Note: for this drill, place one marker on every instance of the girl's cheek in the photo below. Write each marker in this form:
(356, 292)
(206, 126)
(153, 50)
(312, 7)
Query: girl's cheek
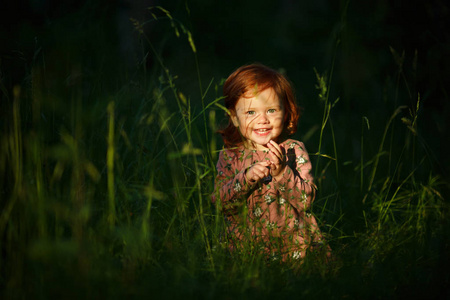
(278, 118)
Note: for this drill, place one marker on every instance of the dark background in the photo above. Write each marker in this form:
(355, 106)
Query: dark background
(96, 40)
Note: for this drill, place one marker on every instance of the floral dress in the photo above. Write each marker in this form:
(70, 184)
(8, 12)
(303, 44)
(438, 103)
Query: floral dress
(275, 214)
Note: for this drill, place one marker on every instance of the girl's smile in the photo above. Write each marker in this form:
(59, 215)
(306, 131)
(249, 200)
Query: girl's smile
(259, 116)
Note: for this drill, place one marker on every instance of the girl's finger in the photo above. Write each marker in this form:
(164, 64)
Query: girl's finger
(266, 163)
(264, 171)
(274, 144)
(259, 170)
(275, 148)
(275, 157)
(281, 152)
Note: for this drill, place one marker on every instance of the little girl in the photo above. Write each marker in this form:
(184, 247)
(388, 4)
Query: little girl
(264, 184)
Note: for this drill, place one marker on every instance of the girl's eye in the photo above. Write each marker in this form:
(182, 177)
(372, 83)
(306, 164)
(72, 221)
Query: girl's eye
(250, 112)
(272, 110)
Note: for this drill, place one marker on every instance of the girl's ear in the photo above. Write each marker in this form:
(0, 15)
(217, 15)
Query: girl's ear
(234, 119)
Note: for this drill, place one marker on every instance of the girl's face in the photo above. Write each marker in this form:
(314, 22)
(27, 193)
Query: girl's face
(259, 118)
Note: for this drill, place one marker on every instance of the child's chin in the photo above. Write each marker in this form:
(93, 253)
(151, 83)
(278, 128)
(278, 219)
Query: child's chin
(260, 145)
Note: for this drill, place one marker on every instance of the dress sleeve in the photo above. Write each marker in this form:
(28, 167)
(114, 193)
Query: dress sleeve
(297, 181)
(230, 184)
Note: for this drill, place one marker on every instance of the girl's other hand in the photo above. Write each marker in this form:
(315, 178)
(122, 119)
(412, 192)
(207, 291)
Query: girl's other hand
(258, 171)
(277, 158)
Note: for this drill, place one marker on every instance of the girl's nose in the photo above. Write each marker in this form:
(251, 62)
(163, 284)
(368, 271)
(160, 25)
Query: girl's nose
(263, 119)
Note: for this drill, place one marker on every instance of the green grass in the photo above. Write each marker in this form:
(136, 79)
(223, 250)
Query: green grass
(106, 192)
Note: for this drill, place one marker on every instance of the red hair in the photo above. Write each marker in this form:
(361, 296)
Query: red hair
(261, 77)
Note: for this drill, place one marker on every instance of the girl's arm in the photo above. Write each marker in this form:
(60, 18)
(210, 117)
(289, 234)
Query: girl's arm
(230, 183)
(296, 182)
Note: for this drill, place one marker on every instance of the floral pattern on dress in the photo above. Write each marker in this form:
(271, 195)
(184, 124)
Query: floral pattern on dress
(279, 207)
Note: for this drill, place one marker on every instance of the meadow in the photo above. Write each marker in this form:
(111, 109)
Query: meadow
(106, 174)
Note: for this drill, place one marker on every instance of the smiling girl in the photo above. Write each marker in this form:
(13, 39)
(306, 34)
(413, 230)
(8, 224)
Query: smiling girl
(264, 184)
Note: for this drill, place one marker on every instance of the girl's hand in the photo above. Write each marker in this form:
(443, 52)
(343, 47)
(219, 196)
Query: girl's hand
(277, 158)
(258, 171)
